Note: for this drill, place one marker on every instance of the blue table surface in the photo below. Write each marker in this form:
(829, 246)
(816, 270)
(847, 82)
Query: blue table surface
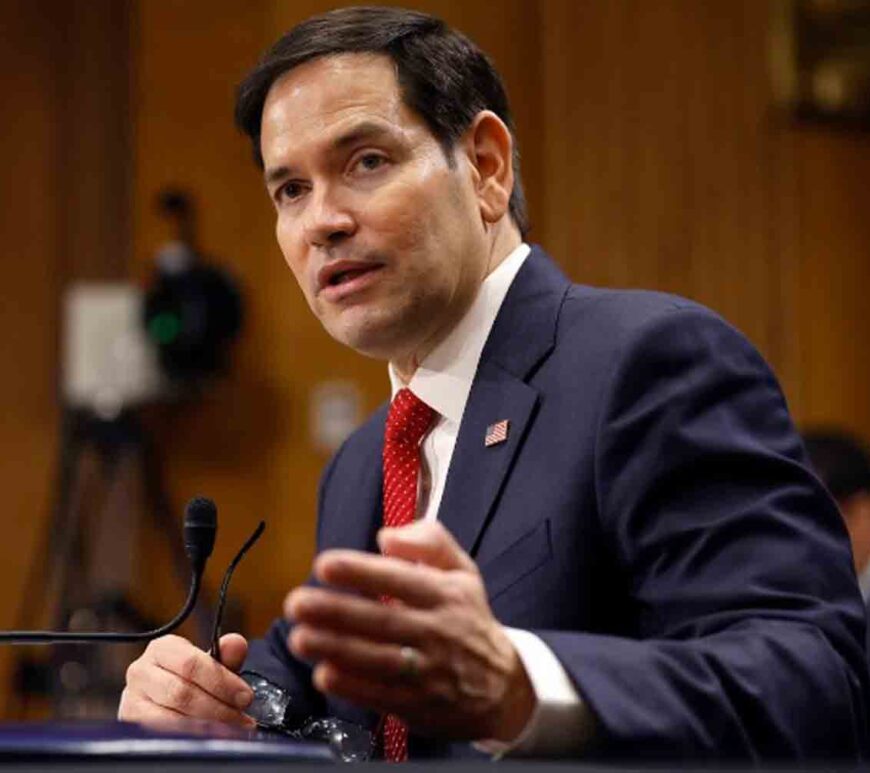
(195, 739)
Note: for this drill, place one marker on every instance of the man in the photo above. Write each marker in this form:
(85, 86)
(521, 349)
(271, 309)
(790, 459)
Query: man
(843, 464)
(600, 537)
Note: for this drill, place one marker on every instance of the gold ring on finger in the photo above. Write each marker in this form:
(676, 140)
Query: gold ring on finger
(410, 668)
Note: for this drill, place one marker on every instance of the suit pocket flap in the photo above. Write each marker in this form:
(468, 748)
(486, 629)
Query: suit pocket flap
(520, 559)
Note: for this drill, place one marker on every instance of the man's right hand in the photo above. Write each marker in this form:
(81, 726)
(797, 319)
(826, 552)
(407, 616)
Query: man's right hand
(173, 679)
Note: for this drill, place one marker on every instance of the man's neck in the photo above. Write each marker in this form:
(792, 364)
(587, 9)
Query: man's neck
(404, 370)
(503, 245)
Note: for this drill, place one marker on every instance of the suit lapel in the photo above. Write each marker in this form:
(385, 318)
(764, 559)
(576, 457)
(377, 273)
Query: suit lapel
(355, 518)
(366, 506)
(477, 472)
(521, 338)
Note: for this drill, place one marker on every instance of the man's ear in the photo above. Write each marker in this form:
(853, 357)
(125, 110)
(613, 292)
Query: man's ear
(489, 146)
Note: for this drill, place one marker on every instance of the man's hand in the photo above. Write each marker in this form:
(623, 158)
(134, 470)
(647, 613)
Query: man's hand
(461, 677)
(174, 680)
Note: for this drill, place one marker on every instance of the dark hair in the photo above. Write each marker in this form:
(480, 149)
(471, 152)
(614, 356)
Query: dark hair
(444, 77)
(840, 460)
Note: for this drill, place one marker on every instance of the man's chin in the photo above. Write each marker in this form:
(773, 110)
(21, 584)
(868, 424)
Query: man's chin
(379, 341)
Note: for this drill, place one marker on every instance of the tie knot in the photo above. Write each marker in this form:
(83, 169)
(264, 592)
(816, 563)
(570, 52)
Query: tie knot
(408, 420)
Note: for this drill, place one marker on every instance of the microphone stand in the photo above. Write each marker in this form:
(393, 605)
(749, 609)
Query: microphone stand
(96, 637)
(200, 528)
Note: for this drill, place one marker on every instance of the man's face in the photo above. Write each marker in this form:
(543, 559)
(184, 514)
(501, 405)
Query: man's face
(384, 236)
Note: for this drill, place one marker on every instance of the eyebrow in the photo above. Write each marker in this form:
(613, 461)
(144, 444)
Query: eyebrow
(362, 131)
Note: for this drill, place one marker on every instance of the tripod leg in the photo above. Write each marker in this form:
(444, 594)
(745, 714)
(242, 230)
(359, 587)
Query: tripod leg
(32, 677)
(41, 573)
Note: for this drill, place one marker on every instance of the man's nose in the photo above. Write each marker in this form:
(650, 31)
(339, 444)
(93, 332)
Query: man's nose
(328, 219)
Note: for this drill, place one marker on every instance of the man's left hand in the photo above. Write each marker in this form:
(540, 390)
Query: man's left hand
(434, 654)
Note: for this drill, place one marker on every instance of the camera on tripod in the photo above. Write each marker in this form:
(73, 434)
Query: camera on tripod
(125, 346)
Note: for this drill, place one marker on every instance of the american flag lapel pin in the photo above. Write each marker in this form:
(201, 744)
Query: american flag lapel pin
(496, 433)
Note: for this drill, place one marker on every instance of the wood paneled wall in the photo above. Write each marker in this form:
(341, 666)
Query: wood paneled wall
(63, 215)
(651, 156)
(30, 234)
(666, 167)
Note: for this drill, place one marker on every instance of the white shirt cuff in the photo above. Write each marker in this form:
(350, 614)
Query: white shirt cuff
(561, 723)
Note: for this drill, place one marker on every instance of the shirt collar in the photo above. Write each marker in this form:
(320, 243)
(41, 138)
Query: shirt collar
(443, 380)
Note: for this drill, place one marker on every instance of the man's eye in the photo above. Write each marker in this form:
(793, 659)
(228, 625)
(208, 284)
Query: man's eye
(371, 161)
(289, 191)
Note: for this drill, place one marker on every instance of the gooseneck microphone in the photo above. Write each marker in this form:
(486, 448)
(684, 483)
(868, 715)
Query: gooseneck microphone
(200, 527)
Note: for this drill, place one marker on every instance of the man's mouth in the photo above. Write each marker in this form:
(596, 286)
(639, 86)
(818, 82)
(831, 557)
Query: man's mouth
(345, 277)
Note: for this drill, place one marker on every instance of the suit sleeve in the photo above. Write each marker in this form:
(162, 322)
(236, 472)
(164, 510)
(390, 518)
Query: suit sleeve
(270, 657)
(751, 635)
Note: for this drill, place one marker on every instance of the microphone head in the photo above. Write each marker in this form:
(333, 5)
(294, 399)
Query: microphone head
(200, 527)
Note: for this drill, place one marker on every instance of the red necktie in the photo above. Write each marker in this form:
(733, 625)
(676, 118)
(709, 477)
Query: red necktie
(408, 421)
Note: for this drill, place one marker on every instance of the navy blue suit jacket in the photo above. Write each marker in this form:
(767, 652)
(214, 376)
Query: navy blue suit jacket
(650, 517)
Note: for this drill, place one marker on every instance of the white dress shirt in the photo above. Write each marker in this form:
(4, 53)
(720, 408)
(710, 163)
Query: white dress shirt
(561, 722)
